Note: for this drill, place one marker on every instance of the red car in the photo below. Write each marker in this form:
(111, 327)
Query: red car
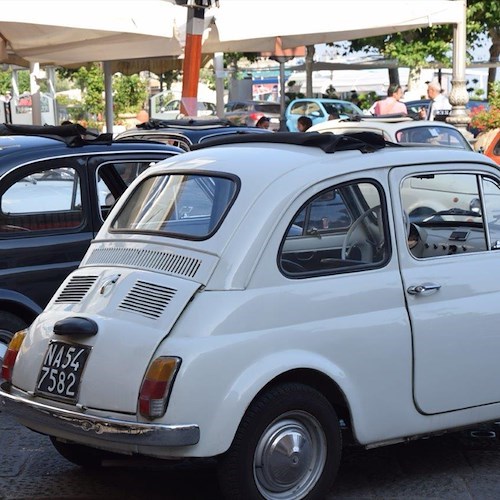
(493, 149)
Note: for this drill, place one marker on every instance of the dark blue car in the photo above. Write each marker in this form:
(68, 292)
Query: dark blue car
(56, 188)
(186, 133)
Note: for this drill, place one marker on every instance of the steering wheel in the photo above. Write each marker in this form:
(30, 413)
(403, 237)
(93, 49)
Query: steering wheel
(292, 266)
(377, 212)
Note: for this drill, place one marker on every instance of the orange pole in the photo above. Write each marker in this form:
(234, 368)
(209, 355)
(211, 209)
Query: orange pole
(192, 61)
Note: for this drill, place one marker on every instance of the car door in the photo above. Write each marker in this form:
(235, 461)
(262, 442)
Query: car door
(295, 110)
(316, 112)
(110, 175)
(45, 228)
(450, 276)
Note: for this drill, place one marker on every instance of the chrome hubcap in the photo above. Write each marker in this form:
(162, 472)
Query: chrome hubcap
(290, 456)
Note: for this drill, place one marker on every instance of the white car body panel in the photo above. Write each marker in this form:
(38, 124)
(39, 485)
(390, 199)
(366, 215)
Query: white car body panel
(239, 323)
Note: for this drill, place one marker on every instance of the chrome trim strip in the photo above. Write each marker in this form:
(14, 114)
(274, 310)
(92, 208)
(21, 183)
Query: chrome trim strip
(40, 416)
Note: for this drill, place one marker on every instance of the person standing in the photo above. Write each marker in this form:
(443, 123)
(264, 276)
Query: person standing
(439, 106)
(391, 104)
(263, 122)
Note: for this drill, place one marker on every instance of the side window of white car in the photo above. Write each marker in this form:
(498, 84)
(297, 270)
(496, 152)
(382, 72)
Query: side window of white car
(340, 229)
(444, 214)
(48, 199)
(491, 190)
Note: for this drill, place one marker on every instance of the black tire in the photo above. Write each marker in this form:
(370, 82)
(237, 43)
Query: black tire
(256, 467)
(9, 324)
(83, 456)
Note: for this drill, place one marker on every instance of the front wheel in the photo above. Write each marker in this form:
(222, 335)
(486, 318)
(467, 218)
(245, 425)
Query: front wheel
(288, 446)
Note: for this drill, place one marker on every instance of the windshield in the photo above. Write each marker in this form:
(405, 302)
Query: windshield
(186, 206)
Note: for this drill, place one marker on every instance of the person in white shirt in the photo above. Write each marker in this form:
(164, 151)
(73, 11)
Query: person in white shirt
(439, 105)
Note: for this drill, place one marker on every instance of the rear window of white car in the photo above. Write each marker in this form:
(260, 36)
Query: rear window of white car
(435, 135)
(180, 205)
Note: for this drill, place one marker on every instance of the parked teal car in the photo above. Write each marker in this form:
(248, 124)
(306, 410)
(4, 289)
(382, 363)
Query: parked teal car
(319, 110)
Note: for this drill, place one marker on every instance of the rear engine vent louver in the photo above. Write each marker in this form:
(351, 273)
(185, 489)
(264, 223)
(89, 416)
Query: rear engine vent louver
(145, 259)
(75, 289)
(147, 299)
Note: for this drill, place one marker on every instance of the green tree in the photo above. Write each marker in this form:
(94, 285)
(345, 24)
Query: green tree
(417, 48)
(93, 100)
(23, 81)
(90, 80)
(413, 49)
(130, 93)
(483, 17)
(169, 77)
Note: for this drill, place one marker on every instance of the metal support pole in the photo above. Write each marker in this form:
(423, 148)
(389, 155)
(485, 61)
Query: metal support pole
(219, 82)
(51, 84)
(309, 70)
(108, 93)
(36, 108)
(458, 95)
(282, 97)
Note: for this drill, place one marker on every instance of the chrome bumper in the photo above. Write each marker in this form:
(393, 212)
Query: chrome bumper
(40, 416)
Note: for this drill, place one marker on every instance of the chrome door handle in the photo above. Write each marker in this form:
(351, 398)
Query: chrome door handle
(423, 289)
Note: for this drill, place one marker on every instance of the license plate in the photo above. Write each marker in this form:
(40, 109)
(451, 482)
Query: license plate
(61, 370)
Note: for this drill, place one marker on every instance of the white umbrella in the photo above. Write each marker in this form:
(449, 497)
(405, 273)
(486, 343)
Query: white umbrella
(78, 31)
(69, 32)
(253, 25)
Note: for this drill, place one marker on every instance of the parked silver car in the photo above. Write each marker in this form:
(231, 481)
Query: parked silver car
(249, 112)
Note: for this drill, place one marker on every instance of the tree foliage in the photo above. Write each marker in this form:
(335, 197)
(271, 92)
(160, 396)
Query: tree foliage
(418, 48)
(483, 17)
(129, 92)
(231, 59)
(488, 119)
(23, 81)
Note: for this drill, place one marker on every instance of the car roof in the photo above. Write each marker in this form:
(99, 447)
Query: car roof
(390, 125)
(421, 102)
(251, 101)
(322, 99)
(308, 158)
(20, 143)
(193, 130)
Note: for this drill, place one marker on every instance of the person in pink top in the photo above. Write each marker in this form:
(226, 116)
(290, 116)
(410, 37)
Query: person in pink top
(391, 104)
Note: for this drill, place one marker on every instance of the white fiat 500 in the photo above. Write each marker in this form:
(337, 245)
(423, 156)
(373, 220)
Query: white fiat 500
(266, 299)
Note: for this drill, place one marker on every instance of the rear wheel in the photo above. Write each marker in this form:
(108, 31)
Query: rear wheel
(81, 455)
(9, 324)
(288, 446)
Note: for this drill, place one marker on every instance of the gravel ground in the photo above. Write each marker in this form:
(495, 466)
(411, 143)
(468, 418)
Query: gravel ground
(455, 466)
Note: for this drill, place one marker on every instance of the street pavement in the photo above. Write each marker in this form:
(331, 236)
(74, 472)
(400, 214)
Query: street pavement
(454, 466)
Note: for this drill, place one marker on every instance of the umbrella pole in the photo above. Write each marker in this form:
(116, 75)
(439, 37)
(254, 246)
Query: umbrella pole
(192, 61)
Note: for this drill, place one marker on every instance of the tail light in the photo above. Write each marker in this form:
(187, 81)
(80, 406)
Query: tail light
(11, 354)
(157, 385)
